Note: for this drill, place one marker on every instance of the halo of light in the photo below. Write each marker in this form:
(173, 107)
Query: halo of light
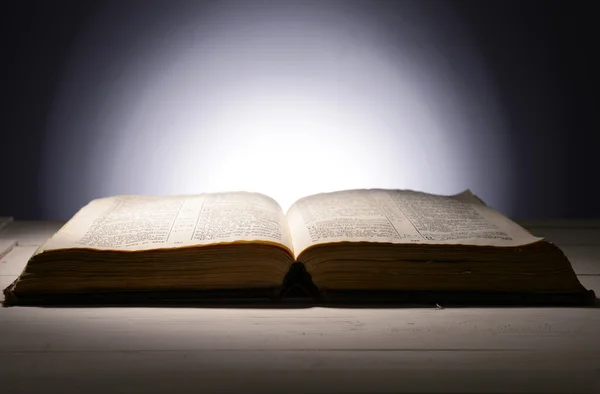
(286, 99)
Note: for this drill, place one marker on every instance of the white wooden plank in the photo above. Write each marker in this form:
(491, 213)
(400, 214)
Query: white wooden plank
(349, 359)
(30, 233)
(559, 223)
(14, 262)
(591, 283)
(585, 259)
(568, 236)
(296, 372)
(6, 246)
(228, 329)
(298, 350)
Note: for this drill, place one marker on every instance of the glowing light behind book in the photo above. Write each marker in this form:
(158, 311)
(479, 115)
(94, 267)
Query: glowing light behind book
(284, 98)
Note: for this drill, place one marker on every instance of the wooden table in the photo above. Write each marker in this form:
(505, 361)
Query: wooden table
(302, 350)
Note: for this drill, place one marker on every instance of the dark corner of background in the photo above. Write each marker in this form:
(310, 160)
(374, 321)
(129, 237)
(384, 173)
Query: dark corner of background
(37, 37)
(542, 57)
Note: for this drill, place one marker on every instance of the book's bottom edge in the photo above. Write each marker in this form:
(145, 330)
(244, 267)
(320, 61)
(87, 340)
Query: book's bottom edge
(272, 297)
(145, 298)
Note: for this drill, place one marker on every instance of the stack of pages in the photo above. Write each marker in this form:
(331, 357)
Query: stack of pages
(349, 246)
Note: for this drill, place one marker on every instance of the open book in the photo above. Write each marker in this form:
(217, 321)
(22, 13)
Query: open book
(355, 245)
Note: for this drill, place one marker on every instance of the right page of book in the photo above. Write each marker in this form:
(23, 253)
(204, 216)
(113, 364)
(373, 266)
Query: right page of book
(400, 216)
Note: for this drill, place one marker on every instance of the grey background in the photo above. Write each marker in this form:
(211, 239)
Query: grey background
(513, 85)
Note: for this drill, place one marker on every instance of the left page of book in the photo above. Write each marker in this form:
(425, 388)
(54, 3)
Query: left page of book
(131, 223)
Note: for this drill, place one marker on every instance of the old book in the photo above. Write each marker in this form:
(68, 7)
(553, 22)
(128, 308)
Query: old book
(354, 246)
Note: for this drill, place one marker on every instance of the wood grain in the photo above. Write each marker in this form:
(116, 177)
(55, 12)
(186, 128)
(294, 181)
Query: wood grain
(6, 245)
(30, 233)
(298, 350)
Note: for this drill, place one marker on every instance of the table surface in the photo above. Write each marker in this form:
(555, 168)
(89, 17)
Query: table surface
(301, 350)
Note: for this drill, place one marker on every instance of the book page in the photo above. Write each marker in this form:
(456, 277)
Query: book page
(143, 223)
(400, 216)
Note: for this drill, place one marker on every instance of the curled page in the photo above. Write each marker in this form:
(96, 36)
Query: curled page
(143, 223)
(400, 216)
